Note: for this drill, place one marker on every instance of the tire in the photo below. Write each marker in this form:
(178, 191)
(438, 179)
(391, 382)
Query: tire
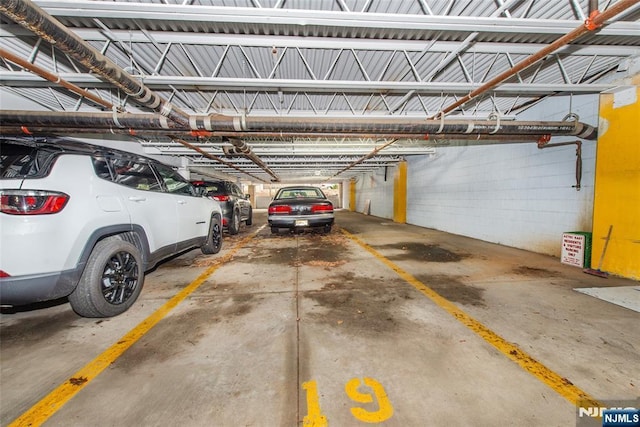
(249, 220)
(234, 224)
(111, 280)
(214, 239)
(326, 229)
(274, 230)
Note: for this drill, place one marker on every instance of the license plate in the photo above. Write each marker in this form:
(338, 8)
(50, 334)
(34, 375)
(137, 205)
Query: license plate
(301, 223)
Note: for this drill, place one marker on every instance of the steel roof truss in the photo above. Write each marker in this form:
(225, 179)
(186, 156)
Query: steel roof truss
(279, 59)
(376, 62)
(55, 96)
(412, 68)
(35, 50)
(272, 16)
(586, 70)
(253, 68)
(511, 64)
(163, 57)
(362, 70)
(563, 71)
(433, 43)
(333, 65)
(346, 99)
(425, 7)
(467, 76)
(306, 64)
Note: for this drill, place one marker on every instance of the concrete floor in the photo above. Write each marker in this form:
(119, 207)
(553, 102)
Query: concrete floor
(320, 330)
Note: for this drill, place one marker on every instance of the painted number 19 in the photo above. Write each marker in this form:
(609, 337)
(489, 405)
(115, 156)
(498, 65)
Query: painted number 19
(314, 417)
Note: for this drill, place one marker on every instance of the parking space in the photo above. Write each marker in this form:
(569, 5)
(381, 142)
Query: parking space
(375, 322)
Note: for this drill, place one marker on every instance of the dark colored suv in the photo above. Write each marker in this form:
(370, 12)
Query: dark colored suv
(236, 206)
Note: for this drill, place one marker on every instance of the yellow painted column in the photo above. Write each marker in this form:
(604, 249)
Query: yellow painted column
(400, 193)
(252, 194)
(352, 195)
(617, 182)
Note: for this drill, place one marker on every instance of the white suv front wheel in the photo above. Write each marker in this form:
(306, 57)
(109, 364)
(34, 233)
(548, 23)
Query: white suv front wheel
(111, 281)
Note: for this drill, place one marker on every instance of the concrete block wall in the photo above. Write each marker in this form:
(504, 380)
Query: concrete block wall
(378, 190)
(513, 194)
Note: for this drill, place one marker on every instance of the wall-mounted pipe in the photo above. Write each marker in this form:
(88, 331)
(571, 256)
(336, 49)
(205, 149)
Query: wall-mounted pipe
(381, 127)
(578, 144)
(593, 22)
(53, 78)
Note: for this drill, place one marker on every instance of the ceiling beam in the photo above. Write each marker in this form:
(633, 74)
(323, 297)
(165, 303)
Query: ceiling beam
(85, 80)
(268, 41)
(300, 19)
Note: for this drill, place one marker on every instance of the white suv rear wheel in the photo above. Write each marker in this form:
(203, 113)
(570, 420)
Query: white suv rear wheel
(111, 281)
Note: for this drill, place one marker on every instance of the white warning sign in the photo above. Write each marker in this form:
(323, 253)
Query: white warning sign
(573, 249)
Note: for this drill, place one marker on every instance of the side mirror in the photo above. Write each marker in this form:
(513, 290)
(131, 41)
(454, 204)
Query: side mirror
(247, 196)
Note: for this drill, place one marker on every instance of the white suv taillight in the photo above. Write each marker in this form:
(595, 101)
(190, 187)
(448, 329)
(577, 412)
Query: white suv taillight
(32, 202)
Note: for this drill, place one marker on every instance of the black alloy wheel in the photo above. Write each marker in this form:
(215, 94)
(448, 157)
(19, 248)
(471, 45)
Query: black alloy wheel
(119, 278)
(213, 244)
(111, 281)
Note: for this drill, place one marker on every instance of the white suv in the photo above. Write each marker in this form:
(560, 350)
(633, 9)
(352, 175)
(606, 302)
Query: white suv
(86, 222)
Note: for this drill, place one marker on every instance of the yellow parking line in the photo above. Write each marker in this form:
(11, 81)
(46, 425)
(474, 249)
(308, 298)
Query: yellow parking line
(51, 403)
(561, 385)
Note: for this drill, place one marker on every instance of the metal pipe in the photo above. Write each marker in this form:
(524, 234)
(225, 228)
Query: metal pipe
(595, 20)
(213, 157)
(53, 78)
(43, 130)
(425, 137)
(244, 148)
(81, 119)
(363, 158)
(383, 126)
(32, 17)
(256, 126)
(30, 130)
(578, 144)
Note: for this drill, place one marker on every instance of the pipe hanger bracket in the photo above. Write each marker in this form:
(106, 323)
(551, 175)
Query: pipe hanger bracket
(589, 23)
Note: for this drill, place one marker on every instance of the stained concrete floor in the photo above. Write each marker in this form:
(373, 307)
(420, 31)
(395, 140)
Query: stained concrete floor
(320, 330)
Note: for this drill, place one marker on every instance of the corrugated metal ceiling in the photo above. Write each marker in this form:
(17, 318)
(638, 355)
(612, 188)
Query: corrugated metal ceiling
(310, 58)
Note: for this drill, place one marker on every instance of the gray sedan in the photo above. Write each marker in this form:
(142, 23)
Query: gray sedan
(300, 207)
